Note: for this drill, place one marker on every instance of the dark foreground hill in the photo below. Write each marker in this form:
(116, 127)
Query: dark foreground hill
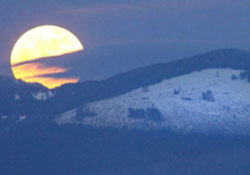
(62, 150)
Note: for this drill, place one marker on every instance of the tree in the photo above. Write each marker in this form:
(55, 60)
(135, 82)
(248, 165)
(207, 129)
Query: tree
(208, 96)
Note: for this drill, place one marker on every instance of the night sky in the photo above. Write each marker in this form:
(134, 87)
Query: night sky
(120, 35)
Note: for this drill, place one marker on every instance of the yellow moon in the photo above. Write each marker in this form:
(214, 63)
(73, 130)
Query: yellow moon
(43, 42)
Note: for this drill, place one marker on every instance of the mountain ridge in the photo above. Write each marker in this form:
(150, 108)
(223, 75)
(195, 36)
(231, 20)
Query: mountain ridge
(207, 101)
(59, 100)
(141, 77)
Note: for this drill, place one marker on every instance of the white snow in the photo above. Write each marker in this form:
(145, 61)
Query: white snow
(42, 96)
(67, 117)
(4, 117)
(50, 94)
(17, 97)
(21, 118)
(185, 111)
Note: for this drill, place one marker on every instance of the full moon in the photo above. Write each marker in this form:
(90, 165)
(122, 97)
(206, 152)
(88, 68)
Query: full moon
(43, 42)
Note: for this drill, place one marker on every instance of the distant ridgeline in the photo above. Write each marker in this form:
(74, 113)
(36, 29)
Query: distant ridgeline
(122, 83)
(20, 98)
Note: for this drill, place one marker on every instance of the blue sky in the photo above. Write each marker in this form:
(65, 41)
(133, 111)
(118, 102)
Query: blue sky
(120, 35)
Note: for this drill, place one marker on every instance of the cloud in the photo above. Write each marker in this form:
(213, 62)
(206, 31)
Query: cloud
(102, 9)
(156, 5)
(38, 72)
(35, 69)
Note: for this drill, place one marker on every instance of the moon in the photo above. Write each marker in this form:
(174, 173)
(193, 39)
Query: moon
(43, 42)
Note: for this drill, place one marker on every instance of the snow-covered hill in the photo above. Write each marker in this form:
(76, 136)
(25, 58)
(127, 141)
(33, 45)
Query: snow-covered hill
(212, 100)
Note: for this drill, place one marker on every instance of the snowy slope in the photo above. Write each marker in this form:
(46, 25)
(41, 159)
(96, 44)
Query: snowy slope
(205, 101)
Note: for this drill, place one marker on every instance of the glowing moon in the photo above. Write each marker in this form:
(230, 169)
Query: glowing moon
(43, 42)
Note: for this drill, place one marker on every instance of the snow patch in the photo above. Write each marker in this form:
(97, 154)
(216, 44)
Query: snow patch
(42, 96)
(22, 118)
(202, 101)
(4, 117)
(50, 94)
(67, 117)
(17, 97)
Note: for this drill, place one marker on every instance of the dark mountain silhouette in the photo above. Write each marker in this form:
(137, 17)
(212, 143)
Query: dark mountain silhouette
(73, 95)
(15, 95)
